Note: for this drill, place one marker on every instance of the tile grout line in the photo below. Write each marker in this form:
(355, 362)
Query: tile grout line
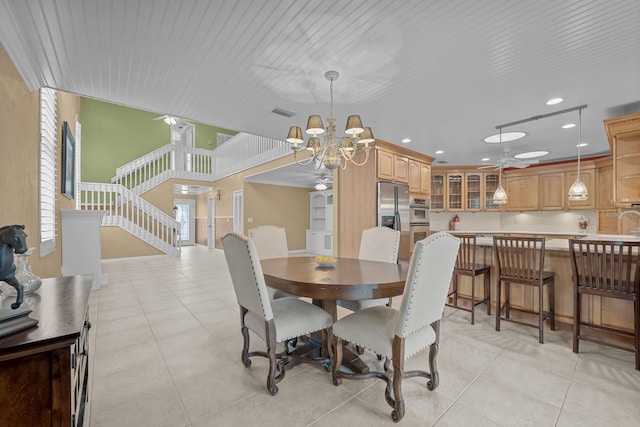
(566, 393)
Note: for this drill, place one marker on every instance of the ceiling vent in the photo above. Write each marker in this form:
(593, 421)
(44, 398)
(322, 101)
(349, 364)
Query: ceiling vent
(283, 112)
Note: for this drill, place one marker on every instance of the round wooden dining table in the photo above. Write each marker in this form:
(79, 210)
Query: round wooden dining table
(348, 279)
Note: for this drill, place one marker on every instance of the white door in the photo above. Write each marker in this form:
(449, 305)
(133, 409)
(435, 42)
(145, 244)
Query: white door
(211, 222)
(186, 216)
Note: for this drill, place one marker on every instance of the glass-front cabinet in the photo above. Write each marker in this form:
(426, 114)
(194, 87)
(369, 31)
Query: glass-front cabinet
(491, 182)
(437, 191)
(455, 191)
(473, 192)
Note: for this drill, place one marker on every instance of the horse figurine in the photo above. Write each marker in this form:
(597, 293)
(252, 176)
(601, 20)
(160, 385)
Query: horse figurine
(13, 239)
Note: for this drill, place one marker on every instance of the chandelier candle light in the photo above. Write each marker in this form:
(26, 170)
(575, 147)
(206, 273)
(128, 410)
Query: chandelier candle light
(333, 151)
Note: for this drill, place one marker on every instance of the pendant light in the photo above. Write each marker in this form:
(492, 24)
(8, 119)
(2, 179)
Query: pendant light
(500, 196)
(578, 190)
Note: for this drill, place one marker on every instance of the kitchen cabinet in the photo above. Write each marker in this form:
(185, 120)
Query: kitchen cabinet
(589, 179)
(414, 176)
(473, 185)
(455, 192)
(320, 233)
(522, 192)
(553, 195)
(425, 179)
(438, 192)
(604, 187)
(491, 182)
(392, 167)
(624, 139)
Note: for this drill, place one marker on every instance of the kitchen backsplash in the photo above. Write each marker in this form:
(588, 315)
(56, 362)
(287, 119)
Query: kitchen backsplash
(543, 221)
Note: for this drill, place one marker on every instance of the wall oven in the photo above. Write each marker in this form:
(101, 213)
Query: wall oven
(417, 233)
(419, 211)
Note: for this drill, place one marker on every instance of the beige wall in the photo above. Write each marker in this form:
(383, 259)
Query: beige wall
(287, 207)
(19, 153)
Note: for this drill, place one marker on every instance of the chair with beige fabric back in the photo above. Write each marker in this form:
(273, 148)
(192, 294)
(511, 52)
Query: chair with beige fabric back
(398, 334)
(271, 242)
(377, 244)
(274, 321)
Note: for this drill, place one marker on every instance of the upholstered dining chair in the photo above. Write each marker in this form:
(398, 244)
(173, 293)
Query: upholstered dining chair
(271, 242)
(399, 334)
(274, 321)
(377, 244)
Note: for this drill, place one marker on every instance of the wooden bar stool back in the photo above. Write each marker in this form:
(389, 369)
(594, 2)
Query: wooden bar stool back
(606, 269)
(467, 265)
(521, 260)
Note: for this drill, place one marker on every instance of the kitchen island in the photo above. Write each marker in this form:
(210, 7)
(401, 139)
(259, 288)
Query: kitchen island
(601, 311)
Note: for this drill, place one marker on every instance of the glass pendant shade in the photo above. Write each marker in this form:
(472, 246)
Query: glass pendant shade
(578, 190)
(321, 186)
(500, 196)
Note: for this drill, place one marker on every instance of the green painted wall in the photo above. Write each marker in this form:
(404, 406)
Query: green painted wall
(113, 135)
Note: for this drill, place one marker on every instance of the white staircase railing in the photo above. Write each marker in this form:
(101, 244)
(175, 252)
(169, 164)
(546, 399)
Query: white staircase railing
(132, 213)
(166, 162)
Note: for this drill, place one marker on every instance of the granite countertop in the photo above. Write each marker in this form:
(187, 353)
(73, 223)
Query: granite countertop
(558, 244)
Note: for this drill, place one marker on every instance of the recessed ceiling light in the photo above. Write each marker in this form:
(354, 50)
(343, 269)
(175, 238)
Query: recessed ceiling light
(554, 101)
(439, 152)
(531, 154)
(582, 144)
(569, 126)
(506, 137)
(486, 159)
(406, 140)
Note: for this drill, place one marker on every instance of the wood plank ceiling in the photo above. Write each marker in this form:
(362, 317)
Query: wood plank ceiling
(443, 73)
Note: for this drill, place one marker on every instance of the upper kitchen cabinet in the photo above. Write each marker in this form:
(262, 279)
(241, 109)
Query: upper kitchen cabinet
(425, 179)
(392, 167)
(455, 191)
(522, 192)
(491, 182)
(553, 196)
(604, 186)
(473, 191)
(438, 193)
(624, 139)
(414, 176)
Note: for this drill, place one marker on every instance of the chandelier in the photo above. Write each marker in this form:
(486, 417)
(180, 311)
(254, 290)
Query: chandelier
(324, 147)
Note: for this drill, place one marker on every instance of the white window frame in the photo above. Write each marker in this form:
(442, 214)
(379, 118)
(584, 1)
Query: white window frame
(48, 170)
(238, 211)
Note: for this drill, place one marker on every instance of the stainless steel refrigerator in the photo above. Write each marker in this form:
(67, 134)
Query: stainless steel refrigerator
(393, 212)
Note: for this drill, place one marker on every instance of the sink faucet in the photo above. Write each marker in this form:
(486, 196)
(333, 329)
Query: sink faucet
(637, 213)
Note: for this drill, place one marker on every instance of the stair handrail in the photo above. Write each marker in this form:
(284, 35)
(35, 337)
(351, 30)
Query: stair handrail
(122, 204)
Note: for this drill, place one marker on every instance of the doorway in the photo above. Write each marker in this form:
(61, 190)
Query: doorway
(185, 212)
(211, 222)
(182, 134)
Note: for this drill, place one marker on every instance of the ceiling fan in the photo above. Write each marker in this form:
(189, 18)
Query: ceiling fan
(507, 161)
(322, 180)
(171, 120)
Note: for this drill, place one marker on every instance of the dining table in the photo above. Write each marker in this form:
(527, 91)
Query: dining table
(326, 283)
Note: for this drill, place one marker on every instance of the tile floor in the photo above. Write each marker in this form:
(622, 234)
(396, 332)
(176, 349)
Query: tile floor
(166, 348)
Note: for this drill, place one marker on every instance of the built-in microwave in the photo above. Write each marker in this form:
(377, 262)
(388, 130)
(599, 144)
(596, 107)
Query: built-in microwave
(419, 211)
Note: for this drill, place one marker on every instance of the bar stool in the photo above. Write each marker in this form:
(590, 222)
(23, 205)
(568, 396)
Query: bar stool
(521, 260)
(607, 269)
(466, 265)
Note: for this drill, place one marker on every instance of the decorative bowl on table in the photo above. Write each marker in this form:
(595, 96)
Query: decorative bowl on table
(325, 261)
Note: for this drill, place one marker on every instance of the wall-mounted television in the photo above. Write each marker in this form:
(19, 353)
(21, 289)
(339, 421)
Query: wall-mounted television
(68, 161)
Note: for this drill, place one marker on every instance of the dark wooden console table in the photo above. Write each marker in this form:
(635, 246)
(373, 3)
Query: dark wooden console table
(44, 369)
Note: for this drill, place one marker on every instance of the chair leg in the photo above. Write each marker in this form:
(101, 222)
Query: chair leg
(577, 309)
(498, 303)
(337, 361)
(433, 383)
(245, 336)
(552, 304)
(455, 289)
(271, 355)
(487, 291)
(398, 372)
(507, 299)
(636, 310)
(541, 313)
(473, 299)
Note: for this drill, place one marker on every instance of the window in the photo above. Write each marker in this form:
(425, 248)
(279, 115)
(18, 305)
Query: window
(238, 217)
(48, 136)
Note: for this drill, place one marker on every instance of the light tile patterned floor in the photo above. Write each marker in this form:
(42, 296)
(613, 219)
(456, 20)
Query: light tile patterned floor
(166, 345)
